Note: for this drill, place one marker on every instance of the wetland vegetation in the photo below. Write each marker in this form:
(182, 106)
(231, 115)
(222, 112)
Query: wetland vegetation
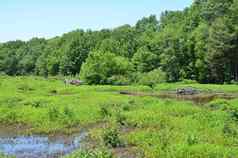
(119, 125)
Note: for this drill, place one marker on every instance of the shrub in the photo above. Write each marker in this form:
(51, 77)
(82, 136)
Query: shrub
(104, 111)
(111, 138)
(68, 117)
(121, 119)
(233, 113)
(152, 78)
(126, 107)
(100, 66)
(68, 112)
(230, 129)
(218, 104)
(192, 139)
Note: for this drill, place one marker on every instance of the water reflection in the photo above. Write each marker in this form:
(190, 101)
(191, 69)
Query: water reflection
(39, 146)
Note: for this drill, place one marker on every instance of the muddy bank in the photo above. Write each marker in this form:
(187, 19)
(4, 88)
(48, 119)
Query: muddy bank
(198, 98)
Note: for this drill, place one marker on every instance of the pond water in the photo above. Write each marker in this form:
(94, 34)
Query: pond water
(37, 146)
(201, 98)
(197, 98)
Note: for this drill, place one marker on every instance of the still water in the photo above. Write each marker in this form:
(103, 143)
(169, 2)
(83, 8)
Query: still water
(37, 146)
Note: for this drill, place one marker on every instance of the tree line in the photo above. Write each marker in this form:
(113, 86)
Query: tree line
(199, 43)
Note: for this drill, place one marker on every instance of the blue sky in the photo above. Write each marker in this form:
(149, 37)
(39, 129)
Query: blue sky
(24, 19)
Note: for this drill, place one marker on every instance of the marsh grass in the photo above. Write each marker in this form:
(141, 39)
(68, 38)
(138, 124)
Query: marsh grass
(155, 127)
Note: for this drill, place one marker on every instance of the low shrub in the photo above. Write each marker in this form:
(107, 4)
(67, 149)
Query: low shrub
(192, 139)
(152, 78)
(111, 138)
(69, 117)
(68, 112)
(121, 119)
(230, 129)
(218, 104)
(104, 111)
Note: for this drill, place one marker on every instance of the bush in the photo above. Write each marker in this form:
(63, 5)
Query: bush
(68, 112)
(152, 78)
(218, 104)
(69, 117)
(192, 139)
(111, 138)
(104, 111)
(230, 129)
(100, 66)
(121, 119)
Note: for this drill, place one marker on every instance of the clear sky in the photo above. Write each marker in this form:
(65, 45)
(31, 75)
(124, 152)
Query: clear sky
(24, 19)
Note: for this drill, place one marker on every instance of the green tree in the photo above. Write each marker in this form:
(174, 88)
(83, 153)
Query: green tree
(145, 61)
(222, 55)
(100, 66)
(76, 52)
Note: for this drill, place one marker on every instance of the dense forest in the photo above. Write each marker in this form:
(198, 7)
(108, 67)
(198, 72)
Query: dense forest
(199, 43)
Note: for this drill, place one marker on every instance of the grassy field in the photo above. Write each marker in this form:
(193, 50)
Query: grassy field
(120, 125)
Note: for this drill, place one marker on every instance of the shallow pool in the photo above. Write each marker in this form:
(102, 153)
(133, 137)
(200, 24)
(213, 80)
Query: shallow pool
(37, 146)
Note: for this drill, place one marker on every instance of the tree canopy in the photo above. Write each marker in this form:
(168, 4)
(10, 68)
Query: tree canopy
(199, 43)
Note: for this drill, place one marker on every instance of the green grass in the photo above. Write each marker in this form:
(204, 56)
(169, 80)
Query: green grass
(148, 126)
(48, 105)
